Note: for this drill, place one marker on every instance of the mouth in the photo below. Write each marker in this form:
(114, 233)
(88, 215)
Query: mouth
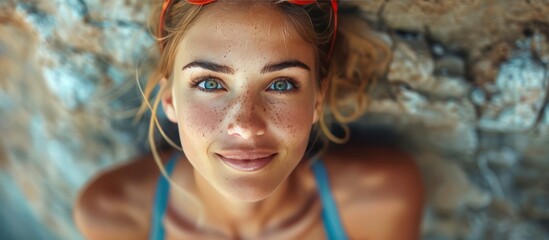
(246, 161)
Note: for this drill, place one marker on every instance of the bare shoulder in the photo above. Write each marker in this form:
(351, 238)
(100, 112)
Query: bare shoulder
(116, 203)
(379, 191)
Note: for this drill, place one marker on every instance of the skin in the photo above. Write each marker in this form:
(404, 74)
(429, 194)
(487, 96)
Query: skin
(375, 196)
(244, 113)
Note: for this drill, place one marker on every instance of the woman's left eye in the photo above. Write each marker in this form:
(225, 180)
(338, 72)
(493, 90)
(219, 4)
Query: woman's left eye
(282, 85)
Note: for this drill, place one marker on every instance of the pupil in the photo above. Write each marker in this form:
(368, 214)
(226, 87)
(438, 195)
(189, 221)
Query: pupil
(280, 85)
(210, 84)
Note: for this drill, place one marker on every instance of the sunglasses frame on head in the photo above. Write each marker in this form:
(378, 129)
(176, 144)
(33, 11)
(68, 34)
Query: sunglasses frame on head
(167, 3)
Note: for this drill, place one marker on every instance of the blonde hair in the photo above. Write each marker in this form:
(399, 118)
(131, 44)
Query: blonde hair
(357, 61)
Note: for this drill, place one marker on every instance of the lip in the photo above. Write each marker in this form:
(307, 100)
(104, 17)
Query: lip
(246, 161)
(240, 154)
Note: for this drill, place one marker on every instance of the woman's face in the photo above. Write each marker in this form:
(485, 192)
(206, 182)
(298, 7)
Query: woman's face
(244, 95)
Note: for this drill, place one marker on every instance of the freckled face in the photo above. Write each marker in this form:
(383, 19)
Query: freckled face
(243, 80)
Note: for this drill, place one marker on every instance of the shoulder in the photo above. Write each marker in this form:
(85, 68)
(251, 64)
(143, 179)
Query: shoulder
(379, 191)
(116, 203)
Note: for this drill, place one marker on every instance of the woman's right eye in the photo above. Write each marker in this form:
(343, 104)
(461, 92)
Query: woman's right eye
(209, 84)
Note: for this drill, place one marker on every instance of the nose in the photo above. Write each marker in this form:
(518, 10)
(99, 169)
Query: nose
(247, 120)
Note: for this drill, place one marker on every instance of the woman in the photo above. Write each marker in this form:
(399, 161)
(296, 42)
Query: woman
(247, 84)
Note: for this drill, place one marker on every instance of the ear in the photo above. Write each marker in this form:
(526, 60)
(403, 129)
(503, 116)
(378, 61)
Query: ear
(167, 100)
(319, 103)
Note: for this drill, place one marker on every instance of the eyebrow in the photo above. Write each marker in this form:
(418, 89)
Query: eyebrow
(228, 70)
(209, 66)
(283, 65)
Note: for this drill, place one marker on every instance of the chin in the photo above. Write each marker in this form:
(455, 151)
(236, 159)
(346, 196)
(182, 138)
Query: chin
(249, 191)
(250, 197)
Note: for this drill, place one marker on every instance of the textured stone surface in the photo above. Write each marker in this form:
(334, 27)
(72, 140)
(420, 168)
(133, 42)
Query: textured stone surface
(515, 99)
(467, 89)
(61, 120)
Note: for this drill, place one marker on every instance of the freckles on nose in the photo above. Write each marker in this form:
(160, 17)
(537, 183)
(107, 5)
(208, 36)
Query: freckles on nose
(245, 120)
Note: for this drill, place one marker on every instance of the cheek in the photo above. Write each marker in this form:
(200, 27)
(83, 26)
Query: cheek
(198, 120)
(292, 120)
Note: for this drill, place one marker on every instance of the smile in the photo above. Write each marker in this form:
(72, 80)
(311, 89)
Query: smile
(246, 161)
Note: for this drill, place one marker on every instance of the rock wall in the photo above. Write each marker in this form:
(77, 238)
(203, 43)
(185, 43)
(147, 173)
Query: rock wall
(466, 90)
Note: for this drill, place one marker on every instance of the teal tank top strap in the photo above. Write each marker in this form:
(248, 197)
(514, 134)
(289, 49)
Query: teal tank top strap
(161, 200)
(330, 216)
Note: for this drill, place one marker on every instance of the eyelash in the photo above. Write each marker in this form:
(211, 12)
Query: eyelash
(196, 84)
(197, 81)
(295, 85)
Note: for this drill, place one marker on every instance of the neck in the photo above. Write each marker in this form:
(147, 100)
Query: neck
(235, 219)
(244, 217)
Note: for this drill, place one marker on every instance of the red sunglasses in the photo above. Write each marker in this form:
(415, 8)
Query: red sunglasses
(166, 4)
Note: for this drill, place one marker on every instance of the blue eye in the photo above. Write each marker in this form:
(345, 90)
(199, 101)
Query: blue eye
(209, 84)
(282, 85)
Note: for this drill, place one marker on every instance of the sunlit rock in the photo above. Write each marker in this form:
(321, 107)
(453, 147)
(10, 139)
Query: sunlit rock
(516, 95)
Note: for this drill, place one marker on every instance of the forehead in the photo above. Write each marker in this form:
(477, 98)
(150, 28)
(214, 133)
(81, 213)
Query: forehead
(253, 30)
